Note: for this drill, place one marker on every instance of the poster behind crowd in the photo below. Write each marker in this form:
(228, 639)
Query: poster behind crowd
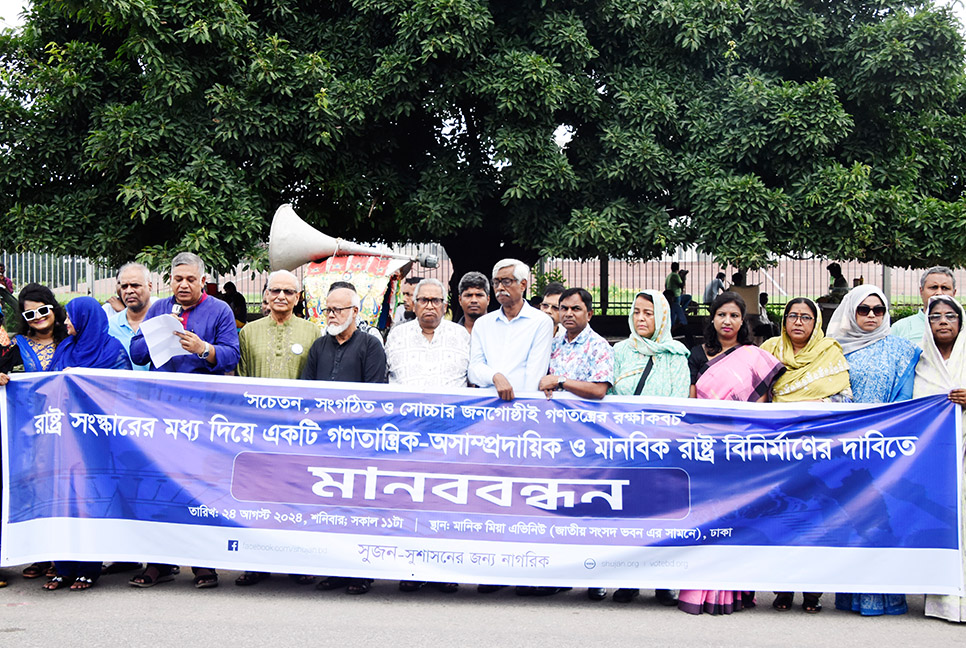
(367, 480)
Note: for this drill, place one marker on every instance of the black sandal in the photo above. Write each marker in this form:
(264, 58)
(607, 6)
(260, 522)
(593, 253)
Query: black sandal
(811, 603)
(145, 579)
(783, 602)
(251, 578)
(37, 570)
(206, 579)
(359, 586)
(55, 583)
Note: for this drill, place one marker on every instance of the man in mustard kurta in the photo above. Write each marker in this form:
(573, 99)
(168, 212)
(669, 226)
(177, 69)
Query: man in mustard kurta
(276, 346)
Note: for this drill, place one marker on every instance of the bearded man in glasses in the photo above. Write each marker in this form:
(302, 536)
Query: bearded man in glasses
(277, 346)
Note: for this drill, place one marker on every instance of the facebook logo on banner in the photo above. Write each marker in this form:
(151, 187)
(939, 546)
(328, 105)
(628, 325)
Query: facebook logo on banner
(233, 545)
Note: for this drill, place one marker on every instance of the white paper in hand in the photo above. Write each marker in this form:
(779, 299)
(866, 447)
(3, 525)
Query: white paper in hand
(159, 335)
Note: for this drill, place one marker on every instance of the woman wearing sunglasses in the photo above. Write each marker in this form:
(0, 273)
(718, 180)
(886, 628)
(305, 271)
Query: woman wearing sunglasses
(942, 370)
(882, 369)
(816, 370)
(41, 330)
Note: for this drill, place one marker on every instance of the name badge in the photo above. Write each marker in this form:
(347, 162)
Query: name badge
(297, 349)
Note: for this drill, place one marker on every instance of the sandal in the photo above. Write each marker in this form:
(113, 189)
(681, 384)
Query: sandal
(811, 604)
(331, 583)
(82, 583)
(146, 579)
(206, 579)
(302, 579)
(55, 583)
(359, 586)
(37, 570)
(783, 602)
(251, 578)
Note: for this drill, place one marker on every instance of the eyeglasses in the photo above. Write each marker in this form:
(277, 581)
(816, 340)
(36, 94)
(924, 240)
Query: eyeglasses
(426, 301)
(934, 317)
(274, 292)
(505, 282)
(133, 286)
(329, 312)
(864, 310)
(804, 319)
(37, 313)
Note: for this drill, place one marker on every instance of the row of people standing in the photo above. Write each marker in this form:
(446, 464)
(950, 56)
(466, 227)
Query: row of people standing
(512, 348)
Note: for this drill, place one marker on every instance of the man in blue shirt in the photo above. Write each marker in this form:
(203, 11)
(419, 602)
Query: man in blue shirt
(134, 287)
(211, 340)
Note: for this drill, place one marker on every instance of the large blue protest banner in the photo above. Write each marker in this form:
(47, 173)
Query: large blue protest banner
(372, 481)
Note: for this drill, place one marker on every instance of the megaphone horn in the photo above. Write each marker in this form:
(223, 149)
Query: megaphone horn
(292, 243)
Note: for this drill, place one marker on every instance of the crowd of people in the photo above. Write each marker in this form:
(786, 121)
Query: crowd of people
(514, 349)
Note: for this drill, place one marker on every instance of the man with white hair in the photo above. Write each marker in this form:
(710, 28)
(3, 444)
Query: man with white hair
(345, 354)
(938, 280)
(134, 289)
(510, 347)
(276, 346)
(428, 353)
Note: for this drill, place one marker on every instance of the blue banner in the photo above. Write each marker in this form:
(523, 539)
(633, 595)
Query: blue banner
(366, 480)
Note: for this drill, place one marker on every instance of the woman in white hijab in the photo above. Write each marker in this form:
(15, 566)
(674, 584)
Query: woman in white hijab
(942, 370)
(882, 369)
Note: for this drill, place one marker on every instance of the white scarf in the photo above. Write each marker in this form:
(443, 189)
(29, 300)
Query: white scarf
(844, 327)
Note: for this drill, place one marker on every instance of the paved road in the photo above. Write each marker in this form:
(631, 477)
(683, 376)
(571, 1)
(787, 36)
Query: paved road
(278, 612)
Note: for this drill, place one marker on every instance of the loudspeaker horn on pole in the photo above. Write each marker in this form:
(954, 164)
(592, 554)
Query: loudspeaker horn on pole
(293, 243)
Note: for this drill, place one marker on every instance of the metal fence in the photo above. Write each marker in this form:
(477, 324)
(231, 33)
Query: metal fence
(619, 280)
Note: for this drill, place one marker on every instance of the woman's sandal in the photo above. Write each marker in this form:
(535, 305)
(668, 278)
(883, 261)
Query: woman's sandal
(251, 578)
(811, 604)
(82, 583)
(55, 583)
(783, 602)
(206, 579)
(37, 570)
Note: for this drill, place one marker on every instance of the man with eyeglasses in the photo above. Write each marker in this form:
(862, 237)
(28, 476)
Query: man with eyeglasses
(134, 288)
(425, 354)
(510, 347)
(550, 304)
(938, 280)
(277, 346)
(345, 354)
(211, 342)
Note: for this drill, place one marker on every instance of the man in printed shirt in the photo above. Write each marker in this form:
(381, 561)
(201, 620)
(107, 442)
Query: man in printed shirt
(428, 353)
(581, 362)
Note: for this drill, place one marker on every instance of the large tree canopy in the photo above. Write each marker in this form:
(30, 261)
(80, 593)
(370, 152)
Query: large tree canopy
(746, 127)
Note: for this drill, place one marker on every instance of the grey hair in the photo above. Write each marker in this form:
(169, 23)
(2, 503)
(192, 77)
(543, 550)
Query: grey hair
(188, 259)
(943, 270)
(355, 297)
(136, 266)
(430, 281)
(520, 269)
(474, 279)
(284, 273)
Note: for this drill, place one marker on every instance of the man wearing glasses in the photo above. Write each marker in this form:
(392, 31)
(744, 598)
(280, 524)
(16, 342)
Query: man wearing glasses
(550, 304)
(344, 353)
(938, 280)
(277, 346)
(510, 347)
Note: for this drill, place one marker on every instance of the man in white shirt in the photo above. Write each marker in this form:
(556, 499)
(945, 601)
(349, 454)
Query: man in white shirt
(938, 280)
(510, 347)
(428, 353)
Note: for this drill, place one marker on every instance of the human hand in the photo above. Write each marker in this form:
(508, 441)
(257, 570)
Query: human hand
(548, 384)
(958, 396)
(503, 387)
(191, 342)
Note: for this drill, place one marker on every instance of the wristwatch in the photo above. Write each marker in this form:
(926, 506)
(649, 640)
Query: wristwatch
(204, 354)
(560, 382)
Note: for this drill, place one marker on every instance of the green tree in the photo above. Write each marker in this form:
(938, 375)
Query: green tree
(746, 127)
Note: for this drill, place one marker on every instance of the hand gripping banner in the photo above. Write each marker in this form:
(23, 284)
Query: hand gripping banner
(374, 481)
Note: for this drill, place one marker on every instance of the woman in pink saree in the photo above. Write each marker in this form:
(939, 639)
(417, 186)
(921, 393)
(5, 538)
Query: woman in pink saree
(728, 367)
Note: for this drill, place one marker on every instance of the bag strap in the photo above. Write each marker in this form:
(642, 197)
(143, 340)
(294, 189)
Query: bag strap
(647, 371)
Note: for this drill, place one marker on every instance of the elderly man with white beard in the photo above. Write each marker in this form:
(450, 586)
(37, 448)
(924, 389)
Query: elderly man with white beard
(345, 354)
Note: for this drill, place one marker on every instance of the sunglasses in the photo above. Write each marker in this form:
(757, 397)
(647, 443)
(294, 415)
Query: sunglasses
(37, 313)
(274, 292)
(863, 310)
